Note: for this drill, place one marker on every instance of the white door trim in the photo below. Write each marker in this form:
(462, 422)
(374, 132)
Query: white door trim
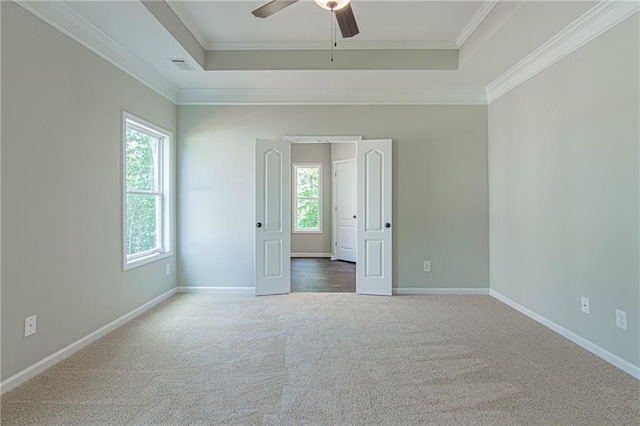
(323, 139)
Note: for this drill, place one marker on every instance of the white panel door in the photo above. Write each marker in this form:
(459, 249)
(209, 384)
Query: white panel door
(374, 255)
(346, 208)
(273, 217)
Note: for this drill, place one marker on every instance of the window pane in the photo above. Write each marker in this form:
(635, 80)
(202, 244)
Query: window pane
(142, 161)
(141, 221)
(307, 214)
(308, 182)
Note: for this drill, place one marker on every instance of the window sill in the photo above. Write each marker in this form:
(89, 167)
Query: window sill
(130, 264)
(307, 232)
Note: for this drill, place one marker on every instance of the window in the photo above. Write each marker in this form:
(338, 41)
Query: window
(307, 192)
(146, 229)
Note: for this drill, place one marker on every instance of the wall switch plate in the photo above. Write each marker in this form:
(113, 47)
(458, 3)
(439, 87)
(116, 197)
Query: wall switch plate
(621, 319)
(167, 269)
(584, 301)
(30, 326)
(427, 266)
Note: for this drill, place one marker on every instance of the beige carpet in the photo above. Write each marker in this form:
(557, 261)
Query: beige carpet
(313, 358)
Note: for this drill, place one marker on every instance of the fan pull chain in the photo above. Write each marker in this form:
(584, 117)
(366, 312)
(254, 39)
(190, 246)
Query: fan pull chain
(333, 32)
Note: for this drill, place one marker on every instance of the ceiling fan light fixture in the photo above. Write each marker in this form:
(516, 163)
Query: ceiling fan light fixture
(337, 4)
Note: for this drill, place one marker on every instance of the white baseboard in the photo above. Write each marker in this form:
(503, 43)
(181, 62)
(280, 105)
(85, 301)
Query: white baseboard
(217, 290)
(441, 291)
(40, 366)
(612, 359)
(311, 254)
(414, 291)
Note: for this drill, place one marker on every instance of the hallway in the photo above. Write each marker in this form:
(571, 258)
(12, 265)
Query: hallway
(322, 275)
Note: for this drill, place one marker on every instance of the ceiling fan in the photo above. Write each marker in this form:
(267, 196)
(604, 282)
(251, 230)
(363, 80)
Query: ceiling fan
(340, 8)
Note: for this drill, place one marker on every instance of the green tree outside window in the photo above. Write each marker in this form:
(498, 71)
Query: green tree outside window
(143, 198)
(307, 201)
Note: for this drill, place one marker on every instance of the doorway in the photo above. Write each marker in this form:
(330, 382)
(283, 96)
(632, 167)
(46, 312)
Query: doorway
(273, 215)
(323, 217)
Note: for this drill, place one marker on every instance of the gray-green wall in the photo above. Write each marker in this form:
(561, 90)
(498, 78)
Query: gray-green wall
(61, 190)
(563, 179)
(343, 151)
(440, 200)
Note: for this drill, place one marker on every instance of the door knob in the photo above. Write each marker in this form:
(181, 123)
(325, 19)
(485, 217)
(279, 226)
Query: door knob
(259, 224)
(354, 216)
(387, 225)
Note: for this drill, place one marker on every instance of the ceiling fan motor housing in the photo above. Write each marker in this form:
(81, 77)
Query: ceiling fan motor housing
(332, 4)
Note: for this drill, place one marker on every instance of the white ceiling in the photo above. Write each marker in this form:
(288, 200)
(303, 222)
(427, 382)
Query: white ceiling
(496, 35)
(436, 22)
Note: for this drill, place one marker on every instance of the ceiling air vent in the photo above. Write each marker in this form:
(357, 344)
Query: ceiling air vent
(182, 64)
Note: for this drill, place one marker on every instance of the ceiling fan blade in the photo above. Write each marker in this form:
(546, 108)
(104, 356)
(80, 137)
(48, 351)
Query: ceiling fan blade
(272, 7)
(347, 21)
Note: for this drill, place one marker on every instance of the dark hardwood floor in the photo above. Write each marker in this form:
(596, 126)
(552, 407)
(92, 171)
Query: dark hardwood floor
(322, 275)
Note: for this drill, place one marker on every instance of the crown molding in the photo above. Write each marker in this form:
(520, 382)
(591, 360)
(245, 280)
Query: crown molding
(602, 17)
(331, 97)
(188, 22)
(66, 20)
(324, 45)
(475, 22)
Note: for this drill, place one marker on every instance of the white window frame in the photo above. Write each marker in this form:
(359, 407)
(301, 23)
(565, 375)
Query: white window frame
(294, 204)
(163, 225)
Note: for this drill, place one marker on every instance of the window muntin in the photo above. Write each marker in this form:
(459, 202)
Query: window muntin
(307, 203)
(146, 192)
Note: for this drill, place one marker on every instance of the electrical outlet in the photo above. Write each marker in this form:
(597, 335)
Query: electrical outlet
(167, 269)
(30, 326)
(427, 266)
(585, 304)
(621, 319)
